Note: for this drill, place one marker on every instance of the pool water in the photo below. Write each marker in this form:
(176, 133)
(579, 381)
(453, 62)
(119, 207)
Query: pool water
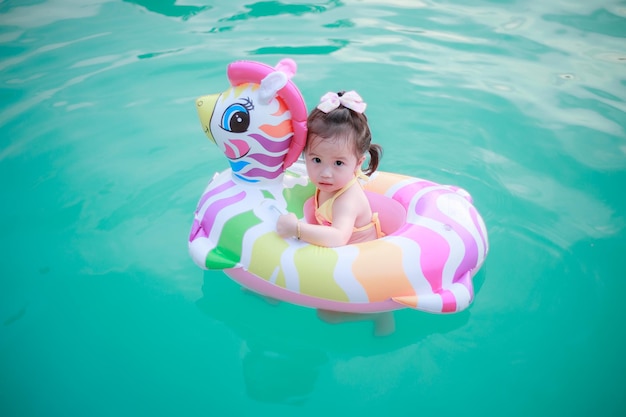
(102, 161)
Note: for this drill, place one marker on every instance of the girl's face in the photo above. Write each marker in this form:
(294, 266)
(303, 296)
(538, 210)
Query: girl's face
(331, 163)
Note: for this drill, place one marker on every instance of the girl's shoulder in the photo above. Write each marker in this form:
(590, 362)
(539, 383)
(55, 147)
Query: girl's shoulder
(354, 198)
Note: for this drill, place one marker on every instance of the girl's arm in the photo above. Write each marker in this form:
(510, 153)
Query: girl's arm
(338, 234)
(288, 225)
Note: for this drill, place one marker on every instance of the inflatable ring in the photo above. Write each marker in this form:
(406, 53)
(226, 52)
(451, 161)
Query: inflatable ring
(435, 239)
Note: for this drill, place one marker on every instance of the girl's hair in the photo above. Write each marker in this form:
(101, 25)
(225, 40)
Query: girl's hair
(346, 123)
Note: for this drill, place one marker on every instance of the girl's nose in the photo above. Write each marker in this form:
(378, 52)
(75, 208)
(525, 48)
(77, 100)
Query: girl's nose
(326, 171)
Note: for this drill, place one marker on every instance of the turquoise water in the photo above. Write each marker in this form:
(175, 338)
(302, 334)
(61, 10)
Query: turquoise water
(102, 161)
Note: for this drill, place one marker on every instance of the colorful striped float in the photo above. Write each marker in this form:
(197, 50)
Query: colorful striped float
(435, 238)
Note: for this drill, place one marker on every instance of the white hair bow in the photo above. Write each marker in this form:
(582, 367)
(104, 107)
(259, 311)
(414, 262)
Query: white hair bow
(351, 100)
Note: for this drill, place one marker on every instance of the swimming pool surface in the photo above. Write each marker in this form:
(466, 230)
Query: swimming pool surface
(102, 161)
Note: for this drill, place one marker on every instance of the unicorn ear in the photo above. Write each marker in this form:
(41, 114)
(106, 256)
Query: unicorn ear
(271, 84)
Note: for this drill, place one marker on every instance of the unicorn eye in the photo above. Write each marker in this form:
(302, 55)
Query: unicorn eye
(236, 118)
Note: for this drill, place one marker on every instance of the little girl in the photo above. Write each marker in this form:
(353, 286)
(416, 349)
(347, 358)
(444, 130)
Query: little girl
(337, 143)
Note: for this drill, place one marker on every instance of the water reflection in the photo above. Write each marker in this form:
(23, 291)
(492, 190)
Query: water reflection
(40, 14)
(600, 21)
(169, 8)
(284, 375)
(336, 45)
(278, 366)
(276, 8)
(575, 213)
(285, 348)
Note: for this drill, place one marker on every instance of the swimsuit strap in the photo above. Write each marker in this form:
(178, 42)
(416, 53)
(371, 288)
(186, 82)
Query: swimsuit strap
(359, 175)
(375, 222)
(344, 189)
(326, 218)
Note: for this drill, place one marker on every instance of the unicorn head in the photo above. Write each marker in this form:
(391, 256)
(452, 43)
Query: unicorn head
(259, 122)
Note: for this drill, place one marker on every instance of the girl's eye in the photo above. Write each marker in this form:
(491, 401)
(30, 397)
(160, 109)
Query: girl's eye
(236, 118)
(339, 163)
(317, 160)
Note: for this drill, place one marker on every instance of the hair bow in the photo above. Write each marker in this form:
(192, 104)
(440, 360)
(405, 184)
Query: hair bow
(350, 99)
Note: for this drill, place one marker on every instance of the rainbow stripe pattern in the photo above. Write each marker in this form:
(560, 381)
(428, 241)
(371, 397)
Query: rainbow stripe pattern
(426, 264)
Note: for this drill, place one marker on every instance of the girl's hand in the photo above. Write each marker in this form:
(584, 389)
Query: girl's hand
(287, 224)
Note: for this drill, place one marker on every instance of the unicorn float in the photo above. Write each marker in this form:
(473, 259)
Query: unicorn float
(435, 239)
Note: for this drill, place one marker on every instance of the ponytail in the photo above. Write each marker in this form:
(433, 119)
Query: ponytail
(376, 154)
